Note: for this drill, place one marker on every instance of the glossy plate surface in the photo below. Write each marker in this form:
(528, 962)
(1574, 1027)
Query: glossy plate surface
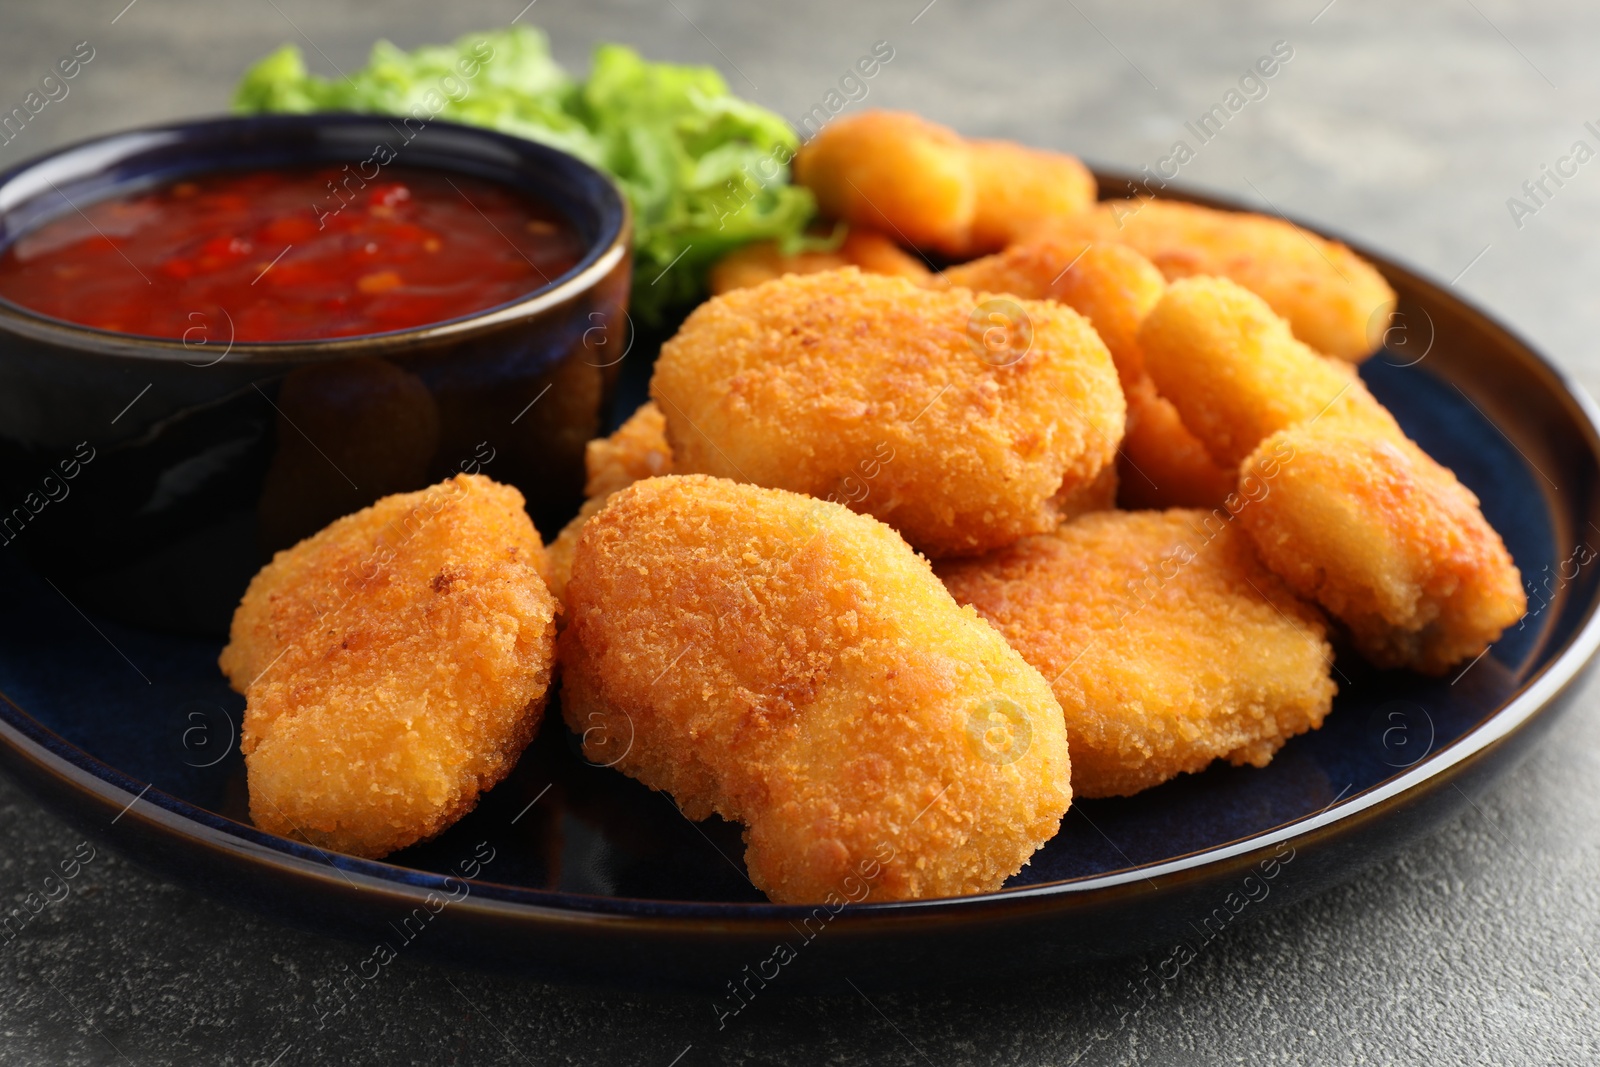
(572, 871)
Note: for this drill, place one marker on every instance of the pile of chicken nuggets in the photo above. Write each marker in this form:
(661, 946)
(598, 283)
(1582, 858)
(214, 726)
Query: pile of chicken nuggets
(899, 559)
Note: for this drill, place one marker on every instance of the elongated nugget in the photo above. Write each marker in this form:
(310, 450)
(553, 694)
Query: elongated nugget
(1168, 643)
(931, 188)
(1386, 539)
(1335, 301)
(891, 398)
(1235, 372)
(394, 666)
(791, 665)
(763, 260)
(1161, 463)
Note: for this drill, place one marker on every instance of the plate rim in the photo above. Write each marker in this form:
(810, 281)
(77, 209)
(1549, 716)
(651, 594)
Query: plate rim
(95, 780)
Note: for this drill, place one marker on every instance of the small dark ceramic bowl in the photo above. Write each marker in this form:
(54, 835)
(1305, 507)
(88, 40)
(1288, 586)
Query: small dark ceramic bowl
(149, 479)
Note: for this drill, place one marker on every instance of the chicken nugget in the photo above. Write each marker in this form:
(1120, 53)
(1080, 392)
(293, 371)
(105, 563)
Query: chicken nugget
(810, 678)
(1114, 287)
(1384, 538)
(1168, 643)
(957, 418)
(893, 171)
(394, 666)
(1162, 464)
(1234, 371)
(762, 261)
(636, 449)
(1334, 300)
(558, 557)
(924, 183)
(1022, 192)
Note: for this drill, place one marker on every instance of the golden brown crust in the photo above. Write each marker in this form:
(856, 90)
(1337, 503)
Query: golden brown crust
(1114, 287)
(930, 188)
(1168, 643)
(1363, 521)
(763, 261)
(883, 395)
(394, 666)
(1022, 192)
(1162, 464)
(1334, 300)
(636, 449)
(1233, 369)
(791, 665)
(558, 557)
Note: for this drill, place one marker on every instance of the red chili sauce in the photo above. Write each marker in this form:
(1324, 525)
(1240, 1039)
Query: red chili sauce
(290, 255)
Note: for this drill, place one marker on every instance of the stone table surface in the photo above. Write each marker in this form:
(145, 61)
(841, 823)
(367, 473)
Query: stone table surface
(1404, 126)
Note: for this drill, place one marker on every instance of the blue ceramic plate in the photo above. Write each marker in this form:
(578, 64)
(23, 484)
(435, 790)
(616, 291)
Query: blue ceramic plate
(572, 871)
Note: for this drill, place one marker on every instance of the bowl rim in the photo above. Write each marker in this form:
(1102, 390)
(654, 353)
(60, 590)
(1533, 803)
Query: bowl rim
(112, 790)
(600, 258)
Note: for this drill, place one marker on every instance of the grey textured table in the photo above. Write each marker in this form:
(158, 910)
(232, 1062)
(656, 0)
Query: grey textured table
(1404, 126)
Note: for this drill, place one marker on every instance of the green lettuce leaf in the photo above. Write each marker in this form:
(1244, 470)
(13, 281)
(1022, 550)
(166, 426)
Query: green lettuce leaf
(704, 170)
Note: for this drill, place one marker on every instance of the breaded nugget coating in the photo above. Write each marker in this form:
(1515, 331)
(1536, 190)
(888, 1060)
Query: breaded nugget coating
(636, 449)
(558, 557)
(788, 664)
(1112, 286)
(1234, 371)
(762, 261)
(929, 187)
(1334, 300)
(1384, 538)
(892, 171)
(394, 666)
(1162, 464)
(1168, 643)
(1023, 192)
(891, 398)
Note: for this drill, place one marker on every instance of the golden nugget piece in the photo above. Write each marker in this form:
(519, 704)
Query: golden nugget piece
(394, 666)
(955, 417)
(1335, 301)
(637, 449)
(788, 664)
(926, 185)
(1386, 539)
(558, 557)
(1168, 643)
(762, 261)
(1234, 371)
(1162, 464)
(1112, 286)
(1022, 192)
